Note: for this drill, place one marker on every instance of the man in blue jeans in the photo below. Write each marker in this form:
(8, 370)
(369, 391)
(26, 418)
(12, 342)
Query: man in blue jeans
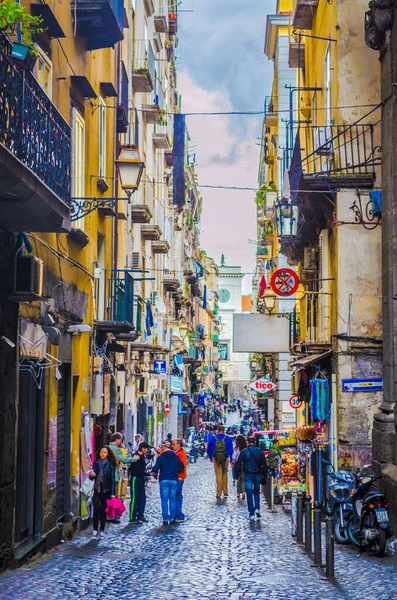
(252, 462)
(169, 465)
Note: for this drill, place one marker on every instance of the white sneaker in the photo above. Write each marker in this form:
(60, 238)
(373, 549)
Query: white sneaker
(252, 517)
(95, 534)
(101, 534)
(257, 514)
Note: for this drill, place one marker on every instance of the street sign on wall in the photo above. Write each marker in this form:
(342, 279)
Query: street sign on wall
(160, 366)
(362, 385)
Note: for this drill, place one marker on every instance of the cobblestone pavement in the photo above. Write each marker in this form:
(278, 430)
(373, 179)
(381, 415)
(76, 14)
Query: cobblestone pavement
(216, 554)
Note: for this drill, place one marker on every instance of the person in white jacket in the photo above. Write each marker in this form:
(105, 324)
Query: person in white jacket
(240, 443)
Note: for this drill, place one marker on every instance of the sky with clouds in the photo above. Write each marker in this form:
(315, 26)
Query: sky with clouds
(222, 67)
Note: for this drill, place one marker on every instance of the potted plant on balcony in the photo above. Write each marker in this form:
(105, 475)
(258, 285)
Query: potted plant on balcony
(13, 17)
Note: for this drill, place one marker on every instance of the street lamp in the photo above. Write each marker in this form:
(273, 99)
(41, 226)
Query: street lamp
(183, 329)
(130, 168)
(286, 217)
(269, 300)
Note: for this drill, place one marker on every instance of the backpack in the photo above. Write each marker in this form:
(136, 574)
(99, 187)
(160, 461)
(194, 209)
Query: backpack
(220, 452)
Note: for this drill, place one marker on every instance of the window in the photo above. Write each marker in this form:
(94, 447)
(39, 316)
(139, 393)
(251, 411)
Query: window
(78, 128)
(327, 87)
(43, 72)
(224, 351)
(102, 138)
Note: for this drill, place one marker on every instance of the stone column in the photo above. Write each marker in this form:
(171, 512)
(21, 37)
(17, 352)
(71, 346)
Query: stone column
(381, 34)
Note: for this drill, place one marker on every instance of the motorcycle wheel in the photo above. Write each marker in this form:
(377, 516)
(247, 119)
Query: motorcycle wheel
(380, 546)
(352, 533)
(341, 533)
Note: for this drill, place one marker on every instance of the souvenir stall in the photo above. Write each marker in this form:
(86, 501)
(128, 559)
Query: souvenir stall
(314, 435)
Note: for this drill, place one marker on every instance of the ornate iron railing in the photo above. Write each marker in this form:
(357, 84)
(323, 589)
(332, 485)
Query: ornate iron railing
(339, 150)
(32, 128)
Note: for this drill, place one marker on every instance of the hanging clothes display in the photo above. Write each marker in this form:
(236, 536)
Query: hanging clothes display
(320, 401)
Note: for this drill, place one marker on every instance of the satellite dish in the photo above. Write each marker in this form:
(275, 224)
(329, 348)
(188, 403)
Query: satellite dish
(178, 360)
(160, 305)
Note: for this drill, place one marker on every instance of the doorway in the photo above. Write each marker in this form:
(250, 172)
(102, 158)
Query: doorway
(62, 506)
(30, 458)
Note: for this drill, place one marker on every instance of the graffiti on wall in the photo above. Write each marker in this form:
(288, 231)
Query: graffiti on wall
(367, 367)
(354, 457)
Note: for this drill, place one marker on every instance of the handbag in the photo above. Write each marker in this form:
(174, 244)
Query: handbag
(262, 468)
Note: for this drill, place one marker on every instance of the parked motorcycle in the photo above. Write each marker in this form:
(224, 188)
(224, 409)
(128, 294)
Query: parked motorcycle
(368, 527)
(340, 489)
(202, 449)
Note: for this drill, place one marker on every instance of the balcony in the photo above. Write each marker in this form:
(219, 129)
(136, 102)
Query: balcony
(315, 318)
(160, 247)
(119, 302)
(101, 22)
(343, 154)
(296, 55)
(143, 67)
(161, 137)
(304, 13)
(153, 106)
(35, 154)
(271, 115)
(140, 213)
(171, 284)
(161, 16)
(151, 232)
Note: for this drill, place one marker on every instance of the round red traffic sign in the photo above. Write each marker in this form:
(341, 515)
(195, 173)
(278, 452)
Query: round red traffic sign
(295, 402)
(167, 410)
(284, 282)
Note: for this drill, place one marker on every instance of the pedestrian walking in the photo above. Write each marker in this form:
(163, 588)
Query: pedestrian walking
(240, 444)
(137, 484)
(179, 450)
(169, 465)
(220, 450)
(274, 457)
(252, 462)
(103, 471)
(138, 438)
(121, 458)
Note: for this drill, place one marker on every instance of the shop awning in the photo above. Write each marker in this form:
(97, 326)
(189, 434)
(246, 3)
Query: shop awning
(309, 360)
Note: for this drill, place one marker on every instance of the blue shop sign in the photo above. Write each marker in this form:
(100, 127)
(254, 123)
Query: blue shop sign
(363, 385)
(176, 384)
(160, 366)
(181, 410)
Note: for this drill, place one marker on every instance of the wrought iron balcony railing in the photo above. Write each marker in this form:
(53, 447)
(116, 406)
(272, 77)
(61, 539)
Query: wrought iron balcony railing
(32, 128)
(123, 310)
(339, 150)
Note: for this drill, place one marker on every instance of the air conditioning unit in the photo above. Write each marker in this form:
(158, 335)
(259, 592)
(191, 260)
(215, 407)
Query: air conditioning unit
(28, 282)
(136, 260)
(310, 259)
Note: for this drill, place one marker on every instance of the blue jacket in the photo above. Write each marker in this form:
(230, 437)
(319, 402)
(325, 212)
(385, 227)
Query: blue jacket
(169, 465)
(212, 443)
(251, 461)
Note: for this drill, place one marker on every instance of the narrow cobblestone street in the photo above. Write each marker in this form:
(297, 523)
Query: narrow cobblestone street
(216, 554)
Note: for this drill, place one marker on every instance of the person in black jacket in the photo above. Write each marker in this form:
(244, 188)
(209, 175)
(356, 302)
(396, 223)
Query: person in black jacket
(137, 484)
(103, 471)
(169, 465)
(252, 462)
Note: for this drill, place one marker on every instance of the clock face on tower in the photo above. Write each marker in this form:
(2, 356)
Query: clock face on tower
(224, 296)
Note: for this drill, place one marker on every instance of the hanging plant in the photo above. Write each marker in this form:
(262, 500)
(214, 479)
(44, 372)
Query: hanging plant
(13, 14)
(261, 193)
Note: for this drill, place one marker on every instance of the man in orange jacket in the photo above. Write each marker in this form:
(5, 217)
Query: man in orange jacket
(177, 446)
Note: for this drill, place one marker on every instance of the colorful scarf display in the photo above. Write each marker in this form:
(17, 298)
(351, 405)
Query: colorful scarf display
(320, 400)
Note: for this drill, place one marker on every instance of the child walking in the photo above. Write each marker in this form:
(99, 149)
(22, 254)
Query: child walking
(103, 471)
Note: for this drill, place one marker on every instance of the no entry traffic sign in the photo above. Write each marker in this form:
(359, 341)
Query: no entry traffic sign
(284, 282)
(167, 409)
(294, 402)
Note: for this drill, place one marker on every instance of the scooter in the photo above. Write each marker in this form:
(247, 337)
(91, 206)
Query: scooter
(368, 527)
(340, 489)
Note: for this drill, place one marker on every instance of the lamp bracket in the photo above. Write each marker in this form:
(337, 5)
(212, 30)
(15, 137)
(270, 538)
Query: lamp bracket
(80, 207)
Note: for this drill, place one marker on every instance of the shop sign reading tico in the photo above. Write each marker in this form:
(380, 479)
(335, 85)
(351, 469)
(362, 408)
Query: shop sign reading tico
(262, 386)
